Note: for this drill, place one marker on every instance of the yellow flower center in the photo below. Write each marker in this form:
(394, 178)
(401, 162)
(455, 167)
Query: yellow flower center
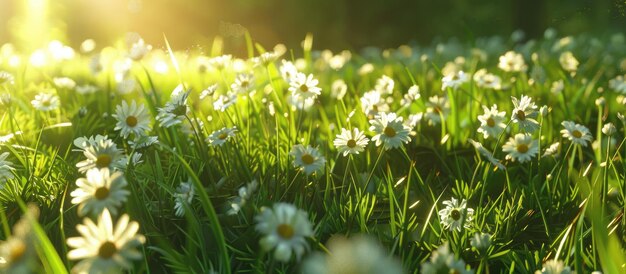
(17, 251)
(285, 231)
(491, 122)
(307, 159)
(304, 88)
(521, 115)
(45, 103)
(107, 250)
(390, 132)
(244, 84)
(351, 143)
(577, 134)
(455, 214)
(522, 148)
(437, 109)
(103, 160)
(131, 121)
(222, 136)
(101, 193)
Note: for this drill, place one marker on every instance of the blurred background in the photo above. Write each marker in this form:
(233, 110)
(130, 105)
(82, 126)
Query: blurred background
(335, 24)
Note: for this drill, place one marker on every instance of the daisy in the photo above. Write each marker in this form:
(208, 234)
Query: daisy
(183, 197)
(455, 215)
(512, 62)
(245, 193)
(372, 103)
(99, 190)
(219, 137)
(105, 247)
(288, 70)
(412, 95)
(576, 133)
(568, 61)
(83, 142)
(454, 80)
(350, 142)
(609, 129)
(307, 158)
(132, 119)
(64, 83)
(17, 252)
(525, 114)
(390, 131)
(359, 254)
(86, 89)
(221, 62)
(437, 108)
(285, 228)
(6, 171)
(486, 153)
(6, 77)
(243, 83)
(126, 85)
(138, 50)
(385, 84)
(265, 58)
(618, 84)
(300, 103)
(208, 91)
(521, 147)
(101, 155)
(484, 79)
(225, 101)
(557, 86)
(143, 141)
(481, 241)
(338, 89)
(492, 122)
(45, 101)
(443, 261)
(174, 111)
(304, 86)
(554, 267)
(552, 150)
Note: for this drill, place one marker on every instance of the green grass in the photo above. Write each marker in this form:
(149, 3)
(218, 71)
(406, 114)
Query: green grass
(568, 207)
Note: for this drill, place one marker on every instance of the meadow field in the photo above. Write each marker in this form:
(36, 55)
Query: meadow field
(497, 155)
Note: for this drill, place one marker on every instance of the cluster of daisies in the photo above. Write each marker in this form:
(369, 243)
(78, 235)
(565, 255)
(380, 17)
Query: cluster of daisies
(109, 241)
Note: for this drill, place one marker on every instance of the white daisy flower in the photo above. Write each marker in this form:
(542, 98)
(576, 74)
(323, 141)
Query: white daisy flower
(390, 131)
(576, 133)
(525, 114)
(265, 58)
(454, 80)
(18, 253)
(208, 91)
(338, 89)
(221, 62)
(455, 215)
(359, 254)
(174, 111)
(412, 95)
(6, 78)
(557, 86)
(86, 89)
(413, 120)
(481, 241)
(350, 142)
(512, 62)
(225, 101)
(609, 129)
(6, 171)
(443, 261)
(245, 193)
(385, 84)
(521, 148)
(138, 50)
(618, 84)
(83, 142)
(554, 267)
(219, 137)
(143, 141)
(552, 150)
(105, 247)
(99, 190)
(46, 101)
(133, 119)
(64, 82)
(285, 228)
(492, 122)
(101, 155)
(436, 109)
(568, 61)
(288, 70)
(243, 83)
(484, 79)
(307, 158)
(372, 103)
(300, 103)
(126, 85)
(304, 86)
(486, 153)
(183, 197)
